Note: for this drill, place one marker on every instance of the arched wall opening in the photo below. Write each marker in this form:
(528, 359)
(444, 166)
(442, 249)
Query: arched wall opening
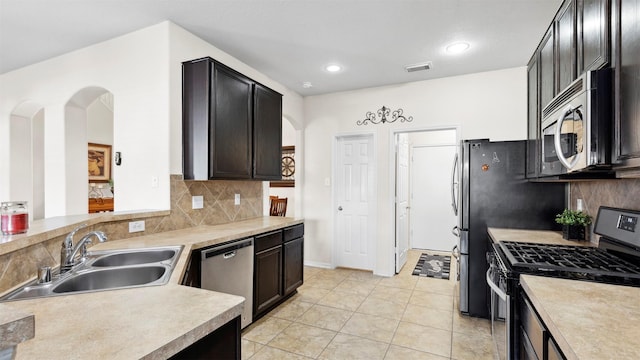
(291, 138)
(26, 160)
(88, 119)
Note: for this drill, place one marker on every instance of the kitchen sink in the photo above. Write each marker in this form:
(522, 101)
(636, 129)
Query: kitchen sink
(107, 270)
(135, 257)
(111, 278)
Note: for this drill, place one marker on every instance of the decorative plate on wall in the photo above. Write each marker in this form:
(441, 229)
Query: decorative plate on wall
(288, 168)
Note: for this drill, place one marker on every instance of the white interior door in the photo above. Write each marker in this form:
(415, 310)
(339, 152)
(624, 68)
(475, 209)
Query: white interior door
(354, 194)
(431, 215)
(402, 200)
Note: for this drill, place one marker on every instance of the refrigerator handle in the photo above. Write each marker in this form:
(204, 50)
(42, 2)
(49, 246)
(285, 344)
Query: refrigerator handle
(454, 185)
(455, 252)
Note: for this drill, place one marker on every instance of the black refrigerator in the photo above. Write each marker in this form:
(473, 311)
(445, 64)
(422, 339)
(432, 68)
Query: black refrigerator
(495, 193)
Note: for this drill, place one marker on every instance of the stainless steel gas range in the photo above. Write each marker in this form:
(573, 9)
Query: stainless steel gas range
(616, 261)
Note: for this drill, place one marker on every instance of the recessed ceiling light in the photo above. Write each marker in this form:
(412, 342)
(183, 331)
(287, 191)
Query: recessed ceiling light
(333, 68)
(457, 48)
(307, 85)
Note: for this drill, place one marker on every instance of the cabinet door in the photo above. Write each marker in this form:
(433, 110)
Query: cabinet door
(533, 121)
(553, 352)
(232, 114)
(565, 39)
(593, 34)
(627, 81)
(268, 279)
(545, 67)
(196, 85)
(267, 130)
(293, 265)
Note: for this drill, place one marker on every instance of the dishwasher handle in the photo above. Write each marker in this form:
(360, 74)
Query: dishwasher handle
(226, 250)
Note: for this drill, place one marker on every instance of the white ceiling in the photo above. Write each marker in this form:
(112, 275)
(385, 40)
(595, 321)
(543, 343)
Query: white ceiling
(292, 40)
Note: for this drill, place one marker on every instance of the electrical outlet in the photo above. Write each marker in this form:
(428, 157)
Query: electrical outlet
(237, 199)
(136, 226)
(197, 202)
(154, 182)
(579, 205)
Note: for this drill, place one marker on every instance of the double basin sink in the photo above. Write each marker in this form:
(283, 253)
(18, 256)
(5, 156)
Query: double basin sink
(107, 270)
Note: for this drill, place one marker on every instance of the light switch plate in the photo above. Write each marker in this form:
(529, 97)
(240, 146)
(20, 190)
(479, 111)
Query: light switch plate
(237, 199)
(197, 202)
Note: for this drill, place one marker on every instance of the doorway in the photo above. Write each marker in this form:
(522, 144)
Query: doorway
(354, 201)
(431, 215)
(423, 221)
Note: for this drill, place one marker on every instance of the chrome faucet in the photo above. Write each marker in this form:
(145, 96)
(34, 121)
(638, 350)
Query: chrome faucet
(69, 251)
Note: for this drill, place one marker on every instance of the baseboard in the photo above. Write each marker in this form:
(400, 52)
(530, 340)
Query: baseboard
(319, 265)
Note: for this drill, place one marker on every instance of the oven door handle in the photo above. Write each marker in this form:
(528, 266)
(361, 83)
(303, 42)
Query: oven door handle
(556, 140)
(494, 287)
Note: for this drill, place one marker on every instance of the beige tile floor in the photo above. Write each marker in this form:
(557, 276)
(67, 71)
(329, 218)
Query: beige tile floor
(352, 314)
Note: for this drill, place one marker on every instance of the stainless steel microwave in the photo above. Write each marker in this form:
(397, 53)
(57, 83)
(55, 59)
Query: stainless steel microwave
(576, 126)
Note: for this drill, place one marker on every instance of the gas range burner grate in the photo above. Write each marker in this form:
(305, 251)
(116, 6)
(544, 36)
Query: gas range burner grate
(583, 260)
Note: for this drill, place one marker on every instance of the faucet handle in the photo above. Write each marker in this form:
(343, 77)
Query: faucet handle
(44, 274)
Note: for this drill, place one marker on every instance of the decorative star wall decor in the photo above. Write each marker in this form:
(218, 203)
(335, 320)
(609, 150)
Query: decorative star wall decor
(383, 113)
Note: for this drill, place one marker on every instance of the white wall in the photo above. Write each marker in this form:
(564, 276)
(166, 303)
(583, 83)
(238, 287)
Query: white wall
(484, 105)
(99, 123)
(143, 72)
(134, 68)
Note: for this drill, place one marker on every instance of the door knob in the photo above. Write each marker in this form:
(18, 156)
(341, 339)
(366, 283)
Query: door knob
(339, 208)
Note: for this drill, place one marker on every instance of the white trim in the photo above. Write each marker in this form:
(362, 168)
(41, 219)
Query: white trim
(391, 251)
(317, 264)
(373, 205)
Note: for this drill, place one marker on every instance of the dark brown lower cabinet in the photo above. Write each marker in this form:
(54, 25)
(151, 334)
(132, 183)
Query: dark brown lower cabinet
(536, 342)
(293, 265)
(267, 279)
(223, 343)
(278, 267)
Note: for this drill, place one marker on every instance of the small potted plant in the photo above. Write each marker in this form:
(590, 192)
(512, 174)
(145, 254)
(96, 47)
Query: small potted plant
(573, 223)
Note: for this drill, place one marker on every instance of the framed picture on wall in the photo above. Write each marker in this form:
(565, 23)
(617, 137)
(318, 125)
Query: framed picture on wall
(99, 156)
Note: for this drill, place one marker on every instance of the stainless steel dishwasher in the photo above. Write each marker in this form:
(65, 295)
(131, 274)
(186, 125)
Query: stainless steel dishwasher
(228, 269)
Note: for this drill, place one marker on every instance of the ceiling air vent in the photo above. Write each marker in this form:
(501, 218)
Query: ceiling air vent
(418, 67)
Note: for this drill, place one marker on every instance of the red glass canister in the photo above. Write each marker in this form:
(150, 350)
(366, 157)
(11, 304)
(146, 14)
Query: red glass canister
(14, 217)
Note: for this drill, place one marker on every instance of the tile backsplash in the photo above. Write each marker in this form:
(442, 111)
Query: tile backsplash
(620, 193)
(219, 208)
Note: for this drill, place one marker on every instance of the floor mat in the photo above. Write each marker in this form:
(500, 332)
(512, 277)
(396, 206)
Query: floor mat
(435, 266)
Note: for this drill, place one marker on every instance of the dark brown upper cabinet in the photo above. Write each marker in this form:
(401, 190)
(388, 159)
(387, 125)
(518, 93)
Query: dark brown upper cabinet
(231, 125)
(577, 40)
(593, 24)
(565, 43)
(547, 85)
(533, 119)
(267, 130)
(626, 54)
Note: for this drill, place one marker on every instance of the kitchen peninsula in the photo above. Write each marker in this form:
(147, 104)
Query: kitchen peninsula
(151, 322)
